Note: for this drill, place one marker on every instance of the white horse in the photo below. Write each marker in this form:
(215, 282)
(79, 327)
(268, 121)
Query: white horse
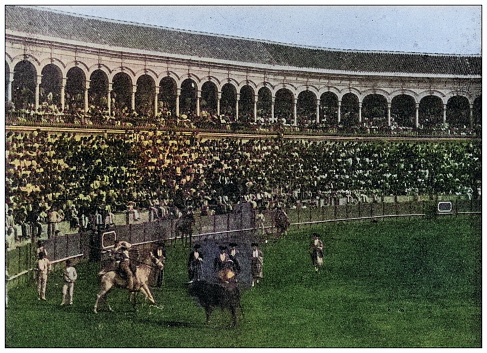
(111, 278)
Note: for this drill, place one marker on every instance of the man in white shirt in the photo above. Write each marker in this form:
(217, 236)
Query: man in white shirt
(43, 267)
(69, 277)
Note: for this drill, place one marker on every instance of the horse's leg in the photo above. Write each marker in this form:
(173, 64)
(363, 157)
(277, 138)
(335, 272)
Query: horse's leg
(101, 296)
(145, 289)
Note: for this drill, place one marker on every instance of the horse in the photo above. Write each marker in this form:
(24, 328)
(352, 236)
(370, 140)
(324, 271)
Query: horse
(110, 278)
(213, 295)
(184, 228)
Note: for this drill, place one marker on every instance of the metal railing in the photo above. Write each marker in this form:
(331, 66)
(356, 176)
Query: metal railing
(21, 260)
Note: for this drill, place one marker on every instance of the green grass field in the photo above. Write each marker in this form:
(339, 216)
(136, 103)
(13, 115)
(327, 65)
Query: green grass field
(395, 283)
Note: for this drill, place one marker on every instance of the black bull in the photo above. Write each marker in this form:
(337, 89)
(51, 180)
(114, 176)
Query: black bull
(212, 295)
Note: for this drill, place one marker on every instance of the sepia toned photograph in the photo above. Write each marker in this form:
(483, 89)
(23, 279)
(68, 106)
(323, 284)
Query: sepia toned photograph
(243, 176)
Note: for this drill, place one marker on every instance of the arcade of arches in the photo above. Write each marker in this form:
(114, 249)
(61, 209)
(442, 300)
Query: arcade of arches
(28, 89)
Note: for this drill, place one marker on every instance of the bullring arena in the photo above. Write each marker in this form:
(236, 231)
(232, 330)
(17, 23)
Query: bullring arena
(121, 131)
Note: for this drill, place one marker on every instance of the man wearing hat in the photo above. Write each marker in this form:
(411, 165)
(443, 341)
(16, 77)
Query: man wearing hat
(233, 256)
(256, 264)
(194, 264)
(316, 252)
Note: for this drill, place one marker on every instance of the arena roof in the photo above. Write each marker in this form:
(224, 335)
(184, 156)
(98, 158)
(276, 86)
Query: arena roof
(38, 21)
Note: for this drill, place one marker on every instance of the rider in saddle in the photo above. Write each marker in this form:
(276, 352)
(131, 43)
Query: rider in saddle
(121, 255)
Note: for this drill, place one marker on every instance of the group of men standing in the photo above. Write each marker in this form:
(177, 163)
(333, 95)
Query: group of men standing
(227, 264)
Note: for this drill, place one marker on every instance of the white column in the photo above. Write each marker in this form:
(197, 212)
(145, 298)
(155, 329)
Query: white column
(470, 117)
(295, 111)
(317, 111)
(256, 98)
(416, 117)
(178, 95)
(219, 97)
(63, 89)
(359, 111)
(9, 87)
(134, 90)
(198, 99)
(388, 114)
(444, 113)
(38, 85)
(236, 106)
(156, 101)
(87, 87)
(273, 101)
(109, 98)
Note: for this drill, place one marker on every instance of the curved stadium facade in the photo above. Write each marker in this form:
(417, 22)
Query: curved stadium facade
(77, 63)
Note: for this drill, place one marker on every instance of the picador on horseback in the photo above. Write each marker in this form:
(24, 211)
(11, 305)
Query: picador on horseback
(121, 255)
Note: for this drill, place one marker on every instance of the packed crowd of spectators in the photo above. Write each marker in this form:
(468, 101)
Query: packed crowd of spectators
(89, 172)
(122, 117)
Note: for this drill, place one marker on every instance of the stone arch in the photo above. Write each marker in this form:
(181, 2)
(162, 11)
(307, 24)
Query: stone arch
(285, 86)
(24, 85)
(349, 109)
(122, 88)
(187, 99)
(374, 109)
(248, 83)
(215, 80)
(209, 97)
(56, 62)
(75, 88)
(228, 100)
(309, 88)
(144, 96)
(348, 91)
(306, 108)
(122, 70)
(168, 88)
(376, 91)
(283, 106)
(98, 91)
(246, 104)
(458, 111)
(264, 104)
(434, 93)
(146, 72)
(405, 92)
(27, 57)
(329, 107)
(403, 110)
(51, 82)
(79, 64)
(331, 89)
(430, 111)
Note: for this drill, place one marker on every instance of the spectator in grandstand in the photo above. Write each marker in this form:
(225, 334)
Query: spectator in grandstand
(69, 276)
(194, 264)
(10, 224)
(256, 264)
(53, 218)
(73, 217)
(43, 268)
(41, 249)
